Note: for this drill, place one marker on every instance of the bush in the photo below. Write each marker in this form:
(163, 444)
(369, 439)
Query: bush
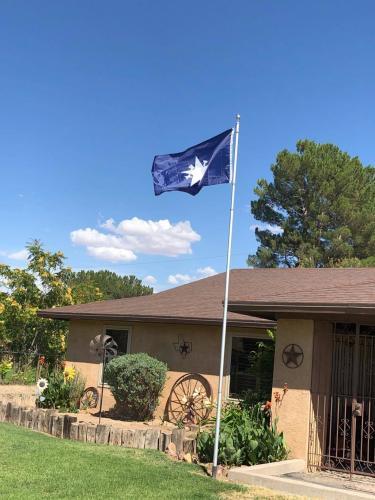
(245, 438)
(64, 389)
(23, 376)
(136, 382)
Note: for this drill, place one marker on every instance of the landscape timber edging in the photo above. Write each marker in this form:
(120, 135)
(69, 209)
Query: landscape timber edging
(64, 426)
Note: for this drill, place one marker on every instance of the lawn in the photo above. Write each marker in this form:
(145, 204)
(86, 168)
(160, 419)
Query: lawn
(35, 465)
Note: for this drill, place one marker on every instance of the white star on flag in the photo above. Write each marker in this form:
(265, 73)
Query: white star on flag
(196, 172)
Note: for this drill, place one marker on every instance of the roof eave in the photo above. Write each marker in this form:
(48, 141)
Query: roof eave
(273, 311)
(152, 319)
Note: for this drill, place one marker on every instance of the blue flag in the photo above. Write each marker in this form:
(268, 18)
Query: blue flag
(205, 164)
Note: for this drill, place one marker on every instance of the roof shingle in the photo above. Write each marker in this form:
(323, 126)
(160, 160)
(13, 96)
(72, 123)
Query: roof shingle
(261, 292)
(197, 302)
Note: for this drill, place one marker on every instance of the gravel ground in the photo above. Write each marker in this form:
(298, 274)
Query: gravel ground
(92, 417)
(23, 395)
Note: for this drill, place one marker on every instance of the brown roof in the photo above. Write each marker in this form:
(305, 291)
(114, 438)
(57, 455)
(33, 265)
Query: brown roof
(261, 293)
(200, 302)
(270, 293)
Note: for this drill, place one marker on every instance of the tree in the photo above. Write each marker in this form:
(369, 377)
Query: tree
(42, 284)
(88, 286)
(46, 282)
(319, 210)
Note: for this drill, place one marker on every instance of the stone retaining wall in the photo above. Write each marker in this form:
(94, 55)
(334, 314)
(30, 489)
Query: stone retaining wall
(66, 427)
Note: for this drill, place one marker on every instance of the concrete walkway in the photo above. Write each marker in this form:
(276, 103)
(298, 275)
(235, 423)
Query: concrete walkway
(288, 477)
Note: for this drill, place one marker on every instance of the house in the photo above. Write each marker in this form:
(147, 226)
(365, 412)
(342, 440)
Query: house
(323, 393)
(324, 369)
(182, 327)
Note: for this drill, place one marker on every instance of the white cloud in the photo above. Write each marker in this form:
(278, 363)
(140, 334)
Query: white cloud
(112, 254)
(182, 279)
(149, 280)
(130, 237)
(178, 279)
(20, 255)
(207, 271)
(267, 227)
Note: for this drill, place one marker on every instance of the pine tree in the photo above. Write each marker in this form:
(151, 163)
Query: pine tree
(319, 210)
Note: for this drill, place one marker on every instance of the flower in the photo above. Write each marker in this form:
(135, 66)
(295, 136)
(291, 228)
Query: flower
(2, 307)
(69, 373)
(267, 406)
(277, 396)
(42, 360)
(5, 366)
(42, 384)
(184, 399)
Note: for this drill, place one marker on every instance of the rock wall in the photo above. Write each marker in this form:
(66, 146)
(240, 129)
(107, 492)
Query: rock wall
(66, 427)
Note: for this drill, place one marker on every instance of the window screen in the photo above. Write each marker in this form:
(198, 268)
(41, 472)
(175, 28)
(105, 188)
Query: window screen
(251, 368)
(121, 339)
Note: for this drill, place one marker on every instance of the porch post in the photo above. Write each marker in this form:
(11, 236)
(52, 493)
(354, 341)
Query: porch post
(291, 391)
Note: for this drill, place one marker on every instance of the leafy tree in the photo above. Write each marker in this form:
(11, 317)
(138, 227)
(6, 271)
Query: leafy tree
(322, 203)
(46, 282)
(88, 286)
(40, 285)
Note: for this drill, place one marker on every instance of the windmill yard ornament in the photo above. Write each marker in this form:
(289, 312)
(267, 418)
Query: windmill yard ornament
(208, 163)
(105, 348)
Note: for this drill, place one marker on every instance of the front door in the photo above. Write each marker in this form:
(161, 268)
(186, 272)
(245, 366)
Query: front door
(350, 426)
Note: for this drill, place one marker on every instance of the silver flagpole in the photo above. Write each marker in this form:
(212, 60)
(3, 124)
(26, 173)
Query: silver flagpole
(225, 316)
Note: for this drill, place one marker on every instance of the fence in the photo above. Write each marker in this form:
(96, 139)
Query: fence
(342, 434)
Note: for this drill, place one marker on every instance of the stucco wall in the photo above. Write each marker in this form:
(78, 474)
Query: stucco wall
(298, 405)
(293, 411)
(157, 340)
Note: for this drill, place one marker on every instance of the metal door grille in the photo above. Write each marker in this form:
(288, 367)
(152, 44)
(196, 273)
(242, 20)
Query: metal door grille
(342, 421)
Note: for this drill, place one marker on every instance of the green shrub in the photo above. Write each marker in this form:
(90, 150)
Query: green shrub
(136, 382)
(24, 376)
(6, 366)
(64, 390)
(245, 438)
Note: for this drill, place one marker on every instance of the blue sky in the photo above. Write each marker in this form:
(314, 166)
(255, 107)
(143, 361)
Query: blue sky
(90, 91)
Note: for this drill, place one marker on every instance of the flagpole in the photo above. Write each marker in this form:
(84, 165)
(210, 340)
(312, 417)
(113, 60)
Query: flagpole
(225, 316)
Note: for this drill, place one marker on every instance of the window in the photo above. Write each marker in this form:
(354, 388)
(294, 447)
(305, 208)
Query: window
(121, 337)
(251, 368)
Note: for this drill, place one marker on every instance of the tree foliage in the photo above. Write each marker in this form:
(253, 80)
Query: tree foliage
(88, 286)
(318, 211)
(46, 282)
(42, 284)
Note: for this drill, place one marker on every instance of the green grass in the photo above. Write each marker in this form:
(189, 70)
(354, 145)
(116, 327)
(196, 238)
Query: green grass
(35, 465)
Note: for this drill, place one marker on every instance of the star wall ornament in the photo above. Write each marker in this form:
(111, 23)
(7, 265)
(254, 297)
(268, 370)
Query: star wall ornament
(183, 347)
(292, 356)
(196, 172)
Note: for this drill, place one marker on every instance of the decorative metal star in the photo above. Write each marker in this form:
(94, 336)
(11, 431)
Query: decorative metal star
(293, 356)
(183, 347)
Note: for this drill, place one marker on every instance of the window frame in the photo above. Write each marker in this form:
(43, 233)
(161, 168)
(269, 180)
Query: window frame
(128, 345)
(247, 335)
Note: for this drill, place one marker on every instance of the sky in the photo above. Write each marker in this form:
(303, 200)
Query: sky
(90, 91)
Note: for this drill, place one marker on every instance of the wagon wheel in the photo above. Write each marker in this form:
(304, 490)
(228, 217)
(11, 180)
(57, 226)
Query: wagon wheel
(190, 400)
(90, 398)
